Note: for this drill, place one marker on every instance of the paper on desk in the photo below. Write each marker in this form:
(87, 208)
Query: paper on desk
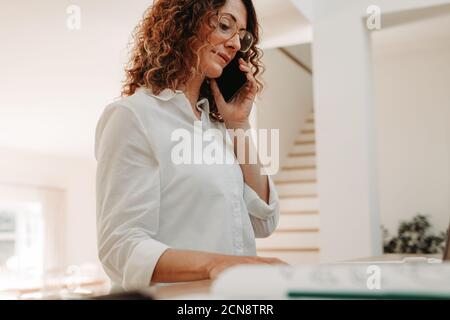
(274, 282)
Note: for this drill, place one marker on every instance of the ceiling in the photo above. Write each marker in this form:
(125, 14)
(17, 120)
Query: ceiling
(55, 82)
(421, 29)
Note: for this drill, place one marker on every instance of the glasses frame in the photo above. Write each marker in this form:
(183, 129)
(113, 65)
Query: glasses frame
(228, 15)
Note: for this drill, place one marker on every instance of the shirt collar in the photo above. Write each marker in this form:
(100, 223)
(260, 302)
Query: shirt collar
(203, 105)
(169, 94)
(165, 95)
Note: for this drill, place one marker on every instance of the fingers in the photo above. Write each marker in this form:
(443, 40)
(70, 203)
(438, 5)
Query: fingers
(235, 261)
(252, 84)
(276, 261)
(244, 66)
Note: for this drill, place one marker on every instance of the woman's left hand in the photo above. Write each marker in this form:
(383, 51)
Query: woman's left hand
(236, 113)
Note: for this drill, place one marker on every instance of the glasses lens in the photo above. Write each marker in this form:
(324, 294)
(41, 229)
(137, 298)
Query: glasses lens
(246, 39)
(226, 26)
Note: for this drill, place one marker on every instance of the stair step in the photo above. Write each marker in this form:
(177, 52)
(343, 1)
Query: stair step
(298, 196)
(308, 126)
(296, 175)
(302, 154)
(301, 161)
(296, 222)
(295, 168)
(304, 148)
(300, 181)
(307, 204)
(309, 131)
(305, 137)
(300, 213)
(294, 258)
(296, 188)
(299, 230)
(304, 142)
(289, 240)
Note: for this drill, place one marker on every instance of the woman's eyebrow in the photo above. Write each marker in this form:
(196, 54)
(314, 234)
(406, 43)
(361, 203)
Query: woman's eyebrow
(235, 20)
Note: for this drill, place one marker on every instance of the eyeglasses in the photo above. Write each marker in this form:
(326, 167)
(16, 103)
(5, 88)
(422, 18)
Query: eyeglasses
(225, 24)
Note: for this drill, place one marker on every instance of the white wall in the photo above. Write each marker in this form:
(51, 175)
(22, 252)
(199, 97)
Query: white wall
(303, 53)
(54, 86)
(413, 122)
(286, 99)
(77, 178)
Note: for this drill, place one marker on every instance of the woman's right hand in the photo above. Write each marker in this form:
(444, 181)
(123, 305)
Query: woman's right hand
(221, 263)
(176, 265)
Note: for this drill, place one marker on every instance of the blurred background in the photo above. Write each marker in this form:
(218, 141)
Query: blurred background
(358, 89)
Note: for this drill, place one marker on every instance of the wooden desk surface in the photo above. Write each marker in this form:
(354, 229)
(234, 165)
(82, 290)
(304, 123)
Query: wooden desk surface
(171, 291)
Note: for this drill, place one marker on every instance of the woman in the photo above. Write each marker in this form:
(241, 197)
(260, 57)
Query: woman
(159, 221)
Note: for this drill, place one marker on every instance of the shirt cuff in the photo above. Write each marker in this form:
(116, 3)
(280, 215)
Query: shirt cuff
(258, 207)
(140, 265)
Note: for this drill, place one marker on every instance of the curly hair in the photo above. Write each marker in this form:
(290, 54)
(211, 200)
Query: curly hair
(163, 54)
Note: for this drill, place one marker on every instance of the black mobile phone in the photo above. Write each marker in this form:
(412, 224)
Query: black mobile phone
(232, 79)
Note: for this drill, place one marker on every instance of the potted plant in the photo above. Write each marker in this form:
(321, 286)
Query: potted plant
(414, 237)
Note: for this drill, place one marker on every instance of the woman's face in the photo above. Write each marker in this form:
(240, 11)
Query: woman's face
(214, 57)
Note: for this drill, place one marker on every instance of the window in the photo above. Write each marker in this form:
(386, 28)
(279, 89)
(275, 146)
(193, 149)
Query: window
(22, 237)
(31, 235)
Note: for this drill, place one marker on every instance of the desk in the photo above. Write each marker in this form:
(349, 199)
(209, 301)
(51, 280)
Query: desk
(203, 288)
(172, 291)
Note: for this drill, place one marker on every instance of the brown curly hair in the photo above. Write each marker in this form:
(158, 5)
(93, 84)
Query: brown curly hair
(163, 54)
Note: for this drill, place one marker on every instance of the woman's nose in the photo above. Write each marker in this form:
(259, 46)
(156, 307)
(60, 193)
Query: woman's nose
(234, 42)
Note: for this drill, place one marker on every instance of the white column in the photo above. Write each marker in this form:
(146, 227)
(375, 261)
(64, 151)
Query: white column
(345, 133)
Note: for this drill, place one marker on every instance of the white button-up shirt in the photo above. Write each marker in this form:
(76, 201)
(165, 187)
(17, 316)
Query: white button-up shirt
(146, 203)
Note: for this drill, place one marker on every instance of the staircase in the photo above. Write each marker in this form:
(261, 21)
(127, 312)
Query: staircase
(296, 239)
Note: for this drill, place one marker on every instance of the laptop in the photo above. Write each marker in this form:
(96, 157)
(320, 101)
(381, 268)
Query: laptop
(446, 256)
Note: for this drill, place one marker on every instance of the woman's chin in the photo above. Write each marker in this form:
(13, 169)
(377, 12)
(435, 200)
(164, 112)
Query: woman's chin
(215, 72)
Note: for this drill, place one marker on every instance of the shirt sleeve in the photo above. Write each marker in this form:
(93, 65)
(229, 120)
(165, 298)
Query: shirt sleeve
(264, 217)
(128, 199)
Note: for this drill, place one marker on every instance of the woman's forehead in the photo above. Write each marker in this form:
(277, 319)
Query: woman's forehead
(236, 8)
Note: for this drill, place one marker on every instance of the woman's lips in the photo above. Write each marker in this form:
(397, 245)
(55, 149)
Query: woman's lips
(223, 59)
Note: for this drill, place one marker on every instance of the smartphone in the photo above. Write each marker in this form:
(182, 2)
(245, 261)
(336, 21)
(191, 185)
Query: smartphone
(232, 79)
